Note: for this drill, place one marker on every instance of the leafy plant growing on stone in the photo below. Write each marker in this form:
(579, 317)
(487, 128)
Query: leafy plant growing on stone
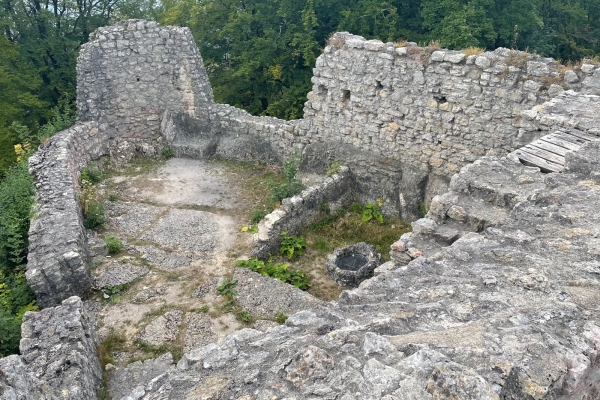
(373, 211)
(167, 152)
(278, 271)
(281, 318)
(227, 288)
(292, 246)
(113, 244)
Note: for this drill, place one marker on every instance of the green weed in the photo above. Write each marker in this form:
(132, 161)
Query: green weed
(278, 271)
(292, 246)
(113, 244)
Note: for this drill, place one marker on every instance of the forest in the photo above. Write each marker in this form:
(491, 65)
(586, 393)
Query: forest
(259, 56)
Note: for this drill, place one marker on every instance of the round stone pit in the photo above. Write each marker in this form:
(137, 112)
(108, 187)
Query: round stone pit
(349, 266)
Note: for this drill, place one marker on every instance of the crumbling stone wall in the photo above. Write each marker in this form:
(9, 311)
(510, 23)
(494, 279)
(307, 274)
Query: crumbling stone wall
(303, 209)
(57, 264)
(130, 74)
(430, 113)
(58, 356)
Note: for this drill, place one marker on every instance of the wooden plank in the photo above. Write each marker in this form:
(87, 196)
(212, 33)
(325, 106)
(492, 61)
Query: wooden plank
(555, 158)
(561, 151)
(570, 138)
(538, 161)
(581, 134)
(560, 142)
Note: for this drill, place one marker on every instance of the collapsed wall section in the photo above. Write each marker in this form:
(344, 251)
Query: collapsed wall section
(429, 112)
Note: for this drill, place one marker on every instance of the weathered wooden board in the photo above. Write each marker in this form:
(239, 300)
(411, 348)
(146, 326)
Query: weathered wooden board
(555, 158)
(561, 151)
(559, 142)
(538, 161)
(570, 138)
(580, 134)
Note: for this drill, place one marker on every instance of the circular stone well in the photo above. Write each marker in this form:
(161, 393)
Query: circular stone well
(350, 265)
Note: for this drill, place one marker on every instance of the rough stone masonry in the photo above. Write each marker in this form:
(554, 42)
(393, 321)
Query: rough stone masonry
(404, 119)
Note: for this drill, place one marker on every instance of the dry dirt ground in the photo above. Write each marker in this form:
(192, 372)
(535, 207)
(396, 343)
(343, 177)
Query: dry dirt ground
(179, 223)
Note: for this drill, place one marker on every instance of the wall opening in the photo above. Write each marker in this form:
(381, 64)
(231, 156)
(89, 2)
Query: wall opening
(346, 94)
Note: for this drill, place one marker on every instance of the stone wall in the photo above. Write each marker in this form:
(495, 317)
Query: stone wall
(57, 264)
(58, 356)
(130, 74)
(301, 210)
(427, 112)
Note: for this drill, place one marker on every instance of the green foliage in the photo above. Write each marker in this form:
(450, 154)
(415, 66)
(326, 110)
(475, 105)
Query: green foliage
(94, 215)
(292, 246)
(167, 152)
(278, 271)
(227, 288)
(113, 197)
(92, 173)
(334, 168)
(373, 211)
(423, 208)
(115, 290)
(281, 318)
(290, 187)
(16, 199)
(113, 244)
(16, 298)
(257, 214)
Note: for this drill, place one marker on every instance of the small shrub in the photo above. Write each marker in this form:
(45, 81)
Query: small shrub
(292, 185)
(278, 271)
(245, 315)
(167, 152)
(281, 318)
(334, 168)
(115, 290)
(292, 246)
(95, 215)
(113, 244)
(423, 208)
(373, 211)
(113, 197)
(257, 214)
(91, 173)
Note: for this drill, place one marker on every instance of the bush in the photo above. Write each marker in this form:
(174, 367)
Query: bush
(113, 244)
(91, 173)
(95, 215)
(278, 271)
(16, 199)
